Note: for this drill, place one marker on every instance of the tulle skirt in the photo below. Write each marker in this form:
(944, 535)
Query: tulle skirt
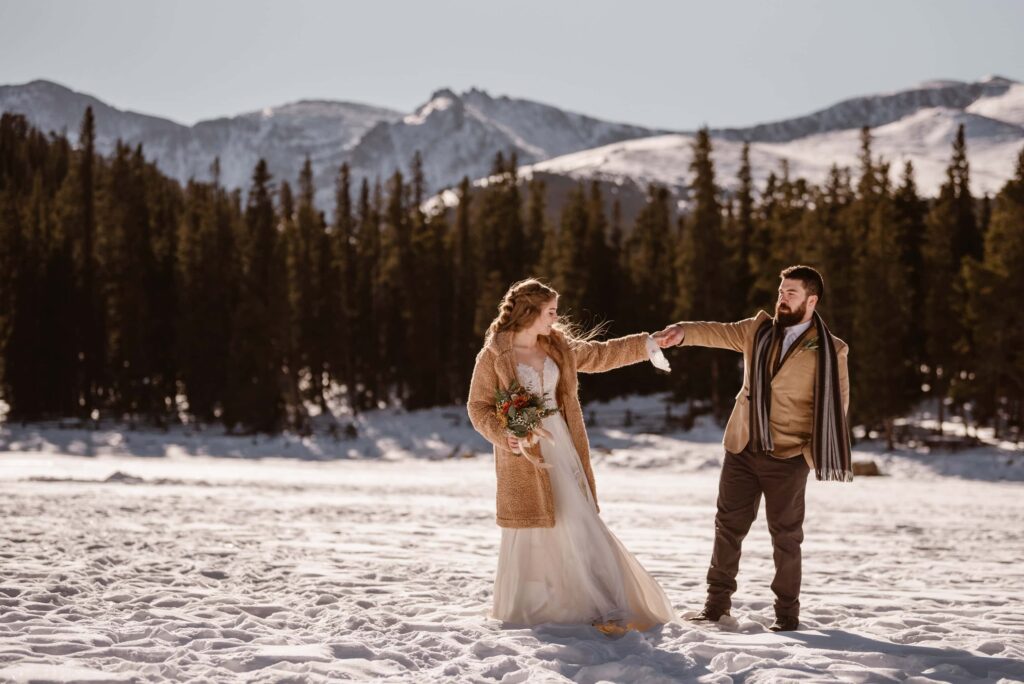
(577, 571)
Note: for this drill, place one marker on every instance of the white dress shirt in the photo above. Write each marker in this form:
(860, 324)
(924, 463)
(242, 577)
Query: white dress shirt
(793, 332)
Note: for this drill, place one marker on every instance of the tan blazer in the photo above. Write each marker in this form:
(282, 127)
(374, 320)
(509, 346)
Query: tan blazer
(524, 497)
(792, 411)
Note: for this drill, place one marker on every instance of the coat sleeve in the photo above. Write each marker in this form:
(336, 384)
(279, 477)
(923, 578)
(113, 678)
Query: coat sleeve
(480, 404)
(732, 336)
(597, 357)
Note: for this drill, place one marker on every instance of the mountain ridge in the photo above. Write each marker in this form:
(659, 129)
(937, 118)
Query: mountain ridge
(459, 134)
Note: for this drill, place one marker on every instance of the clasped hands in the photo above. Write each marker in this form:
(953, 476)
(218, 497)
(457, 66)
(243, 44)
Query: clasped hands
(669, 336)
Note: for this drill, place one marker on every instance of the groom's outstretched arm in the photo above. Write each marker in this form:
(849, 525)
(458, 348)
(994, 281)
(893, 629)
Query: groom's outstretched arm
(732, 336)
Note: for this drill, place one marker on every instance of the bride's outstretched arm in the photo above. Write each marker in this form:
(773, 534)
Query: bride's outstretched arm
(597, 357)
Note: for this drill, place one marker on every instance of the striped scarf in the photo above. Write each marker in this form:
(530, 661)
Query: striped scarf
(831, 438)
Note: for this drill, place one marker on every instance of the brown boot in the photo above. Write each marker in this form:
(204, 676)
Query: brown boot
(709, 614)
(785, 623)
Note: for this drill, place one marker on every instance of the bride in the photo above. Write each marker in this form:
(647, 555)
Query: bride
(558, 561)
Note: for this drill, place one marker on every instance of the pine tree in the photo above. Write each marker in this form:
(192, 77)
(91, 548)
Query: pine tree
(651, 262)
(428, 285)
(328, 318)
(908, 216)
(464, 292)
(346, 265)
(535, 228)
(126, 265)
(942, 255)
(165, 206)
(624, 297)
(199, 208)
(317, 289)
(546, 263)
(571, 269)
(999, 329)
(741, 238)
(763, 291)
(513, 235)
(432, 287)
(703, 274)
(853, 271)
(254, 396)
(501, 239)
(60, 337)
(82, 233)
(967, 238)
(838, 246)
(881, 365)
(369, 299)
(292, 332)
(597, 288)
(397, 283)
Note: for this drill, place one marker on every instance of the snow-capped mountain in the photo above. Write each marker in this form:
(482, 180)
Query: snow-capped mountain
(284, 135)
(459, 135)
(456, 134)
(874, 110)
(917, 126)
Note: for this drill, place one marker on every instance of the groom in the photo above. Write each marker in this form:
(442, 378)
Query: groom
(789, 417)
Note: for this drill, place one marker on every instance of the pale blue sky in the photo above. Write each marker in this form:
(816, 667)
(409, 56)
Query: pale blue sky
(666, 64)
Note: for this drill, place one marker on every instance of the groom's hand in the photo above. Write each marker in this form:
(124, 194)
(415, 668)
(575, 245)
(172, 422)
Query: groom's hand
(669, 337)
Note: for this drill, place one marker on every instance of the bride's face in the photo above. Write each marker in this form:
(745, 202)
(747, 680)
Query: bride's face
(548, 317)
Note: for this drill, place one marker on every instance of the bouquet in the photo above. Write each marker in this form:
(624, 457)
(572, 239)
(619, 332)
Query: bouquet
(520, 412)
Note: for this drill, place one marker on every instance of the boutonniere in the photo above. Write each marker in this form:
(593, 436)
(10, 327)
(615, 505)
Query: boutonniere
(811, 344)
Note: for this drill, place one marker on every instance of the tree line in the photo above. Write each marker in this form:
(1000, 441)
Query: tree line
(125, 295)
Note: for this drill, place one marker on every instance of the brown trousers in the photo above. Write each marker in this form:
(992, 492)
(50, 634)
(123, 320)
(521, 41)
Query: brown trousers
(745, 477)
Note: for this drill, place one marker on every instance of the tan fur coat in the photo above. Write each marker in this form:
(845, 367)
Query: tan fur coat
(524, 497)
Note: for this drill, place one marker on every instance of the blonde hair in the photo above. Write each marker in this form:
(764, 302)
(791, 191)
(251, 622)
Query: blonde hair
(519, 308)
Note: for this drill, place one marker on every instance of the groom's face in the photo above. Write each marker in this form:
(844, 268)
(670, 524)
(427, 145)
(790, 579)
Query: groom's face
(791, 306)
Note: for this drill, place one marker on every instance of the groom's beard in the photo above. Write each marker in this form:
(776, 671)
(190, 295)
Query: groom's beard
(787, 317)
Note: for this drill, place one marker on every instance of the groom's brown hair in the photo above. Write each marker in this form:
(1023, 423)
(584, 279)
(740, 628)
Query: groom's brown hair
(812, 280)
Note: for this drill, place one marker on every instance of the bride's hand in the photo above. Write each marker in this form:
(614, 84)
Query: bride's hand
(669, 337)
(513, 444)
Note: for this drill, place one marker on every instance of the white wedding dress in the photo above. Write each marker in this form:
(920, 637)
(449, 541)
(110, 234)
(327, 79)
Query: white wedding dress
(576, 572)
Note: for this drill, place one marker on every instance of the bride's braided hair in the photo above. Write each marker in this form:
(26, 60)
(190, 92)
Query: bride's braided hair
(521, 305)
(519, 308)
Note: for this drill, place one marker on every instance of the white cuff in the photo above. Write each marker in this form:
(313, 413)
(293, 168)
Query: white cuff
(656, 356)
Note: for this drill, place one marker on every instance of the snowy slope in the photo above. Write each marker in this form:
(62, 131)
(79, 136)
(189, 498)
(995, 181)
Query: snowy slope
(875, 110)
(924, 137)
(1007, 107)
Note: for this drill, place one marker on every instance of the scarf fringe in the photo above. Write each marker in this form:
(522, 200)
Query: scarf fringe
(841, 476)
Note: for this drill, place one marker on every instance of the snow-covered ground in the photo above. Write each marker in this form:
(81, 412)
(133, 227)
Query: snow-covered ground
(173, 557)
